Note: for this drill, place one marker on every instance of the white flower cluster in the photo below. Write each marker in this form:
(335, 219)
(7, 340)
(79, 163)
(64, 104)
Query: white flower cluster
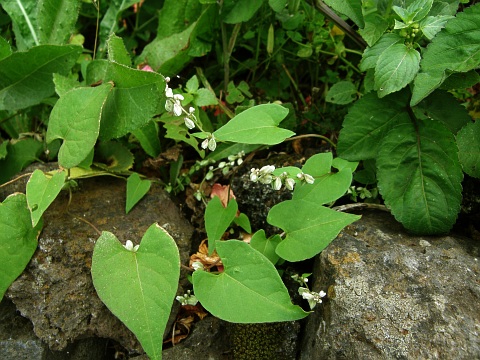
(174, 106)
(209, 143)
(226, 166)
(129, 246)
(265, 175)
(187, 299)
(312, 297)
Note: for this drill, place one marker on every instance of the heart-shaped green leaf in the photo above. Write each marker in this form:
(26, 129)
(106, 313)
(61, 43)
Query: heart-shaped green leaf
(139, 285)
(249, 290)
(136, 190)
(257, 125)
(266, 246)
(18, 239)
(217, 219)
(75, 118)
(41, 191)
(308, 232)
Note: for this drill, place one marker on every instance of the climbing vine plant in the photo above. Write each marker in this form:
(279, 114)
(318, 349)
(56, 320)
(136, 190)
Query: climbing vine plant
(407, 123)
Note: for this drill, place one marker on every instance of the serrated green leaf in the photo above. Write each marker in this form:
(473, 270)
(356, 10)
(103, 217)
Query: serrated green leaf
(444, 107)
(342, 93)
(455, 48)
(375, 27)
(18, 239)
(257, 125)
(419, 176)
(399, 25)
(217, 220)
(351, 8)
(468, 142)
(242, 11)
(368, 121)
(419, 9)
(113, 156)
(75, 118)
(176, 130)
(431, 25)
(136, 190)
(41, 192)
(24, 19)
(461, 80)
(371, 54)
(396, 67)
(266, 246)
(204, 97)
(249, 290)
(192, 84)
(116, 50)
(138, 286)
(56, 20)
(26, 77)
(308, 232)
(148, 138)
(133, 101)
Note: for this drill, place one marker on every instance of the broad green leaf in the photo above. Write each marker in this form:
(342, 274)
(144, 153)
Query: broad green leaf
(3, 150)
(56, 20)
(455, 48)
(395, 68)
(340, 164)
(461, 80)
(18, 239)
(19, 155)
(419, 176)
(342, 93)
(217, 220)
(26, 77)
(444, 107)
(113, 156)
(117, 52)
(431, 25)
(75, 118)
(136, 190)
(168, 55)
(41, 191)
(242, 11)
(149, 139)
(257, 125)
(138, 286)
(176, 15)
(266, 246)
(243, 221)
(368, 121)
(204, 97)
(64, 84)
(371, 54)
(277, 5)
(468, 142)
(133, 101)
(351, 8)
(249, 290)
(309, 227)
(24, 19)
(375, 27)
(5, 48)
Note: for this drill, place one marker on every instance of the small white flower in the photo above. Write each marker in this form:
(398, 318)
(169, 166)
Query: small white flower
(266, 179)
(168, 92)
(191, 110)
(212, 144)
(289, 183)
(239, 161)
(189, 123)
(277, 184)
(187, 299)
(309, 179)
(267, 169)
(197, 265)
(204, 144)
(129, 246)
(254, 175)
(222, 164)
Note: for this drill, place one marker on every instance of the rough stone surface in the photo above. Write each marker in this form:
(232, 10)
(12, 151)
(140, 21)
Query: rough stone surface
(395, 296)
(55, 291)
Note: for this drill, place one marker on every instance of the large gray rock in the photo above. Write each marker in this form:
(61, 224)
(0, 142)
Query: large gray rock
(55, 291)
(395, 296)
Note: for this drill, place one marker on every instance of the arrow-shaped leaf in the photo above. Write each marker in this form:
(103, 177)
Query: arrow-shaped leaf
(18, 239)
(217, 219)
(249, 290)
(138, 286)
(136, 190)
(309, 227)
(41, 191)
